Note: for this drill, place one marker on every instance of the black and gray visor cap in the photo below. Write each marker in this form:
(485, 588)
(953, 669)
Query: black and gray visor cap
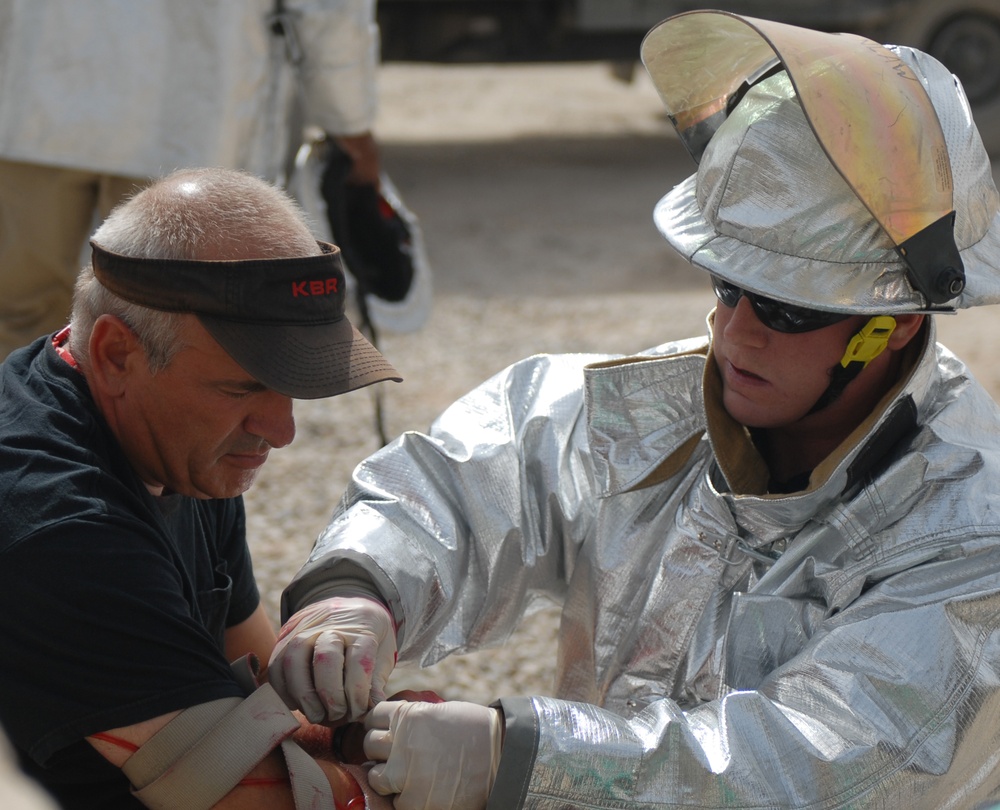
(282, 320)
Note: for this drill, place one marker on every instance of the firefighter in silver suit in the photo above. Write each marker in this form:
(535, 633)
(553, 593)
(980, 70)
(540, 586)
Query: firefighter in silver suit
(776, 547)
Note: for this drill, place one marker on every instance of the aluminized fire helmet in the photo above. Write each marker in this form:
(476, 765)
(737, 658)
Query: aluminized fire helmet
(834, 173)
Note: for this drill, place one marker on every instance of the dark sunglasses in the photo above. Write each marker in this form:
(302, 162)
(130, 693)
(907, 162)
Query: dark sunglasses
(776, 315)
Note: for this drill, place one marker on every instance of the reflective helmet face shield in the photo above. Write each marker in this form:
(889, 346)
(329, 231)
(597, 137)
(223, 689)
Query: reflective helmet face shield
(868, 110)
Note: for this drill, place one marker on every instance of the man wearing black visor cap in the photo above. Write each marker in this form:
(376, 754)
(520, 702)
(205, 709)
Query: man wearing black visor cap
(126, 442)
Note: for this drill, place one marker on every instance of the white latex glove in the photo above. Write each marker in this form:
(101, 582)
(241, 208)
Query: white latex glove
(437, 756)
(333, 658)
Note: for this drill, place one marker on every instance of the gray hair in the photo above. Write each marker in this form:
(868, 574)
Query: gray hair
(190, 214)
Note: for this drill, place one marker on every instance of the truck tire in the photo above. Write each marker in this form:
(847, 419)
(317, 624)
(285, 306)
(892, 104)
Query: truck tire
(964, 36)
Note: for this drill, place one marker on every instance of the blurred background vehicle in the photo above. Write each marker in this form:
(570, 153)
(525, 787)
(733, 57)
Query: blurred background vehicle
(963, 34)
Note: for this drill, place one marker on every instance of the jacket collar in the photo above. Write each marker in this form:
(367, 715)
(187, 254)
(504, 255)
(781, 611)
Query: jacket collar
(646, 415)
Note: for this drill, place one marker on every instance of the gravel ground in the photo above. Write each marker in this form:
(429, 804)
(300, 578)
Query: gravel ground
(535, 187)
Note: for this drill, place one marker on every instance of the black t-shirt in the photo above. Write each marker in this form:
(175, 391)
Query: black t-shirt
(113, 602)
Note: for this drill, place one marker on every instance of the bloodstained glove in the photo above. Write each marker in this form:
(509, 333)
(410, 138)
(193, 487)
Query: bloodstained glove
(436, 756)
(333, 658)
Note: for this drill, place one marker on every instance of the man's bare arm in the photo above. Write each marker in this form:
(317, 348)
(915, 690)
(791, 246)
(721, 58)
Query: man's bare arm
(267, 785)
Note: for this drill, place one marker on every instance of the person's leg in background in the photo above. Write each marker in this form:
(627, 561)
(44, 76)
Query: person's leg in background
(111, 190)
(46, 214)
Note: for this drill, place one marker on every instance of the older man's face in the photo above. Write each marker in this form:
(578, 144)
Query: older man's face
(202, 426)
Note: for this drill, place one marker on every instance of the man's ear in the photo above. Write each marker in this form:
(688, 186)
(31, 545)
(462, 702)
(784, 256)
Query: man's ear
(907, 326)
(114, 352)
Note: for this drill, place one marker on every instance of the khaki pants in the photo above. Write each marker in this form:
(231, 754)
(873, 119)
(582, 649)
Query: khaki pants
(46, 216)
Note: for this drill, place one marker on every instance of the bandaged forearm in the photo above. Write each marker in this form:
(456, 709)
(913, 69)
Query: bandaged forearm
(205, 752)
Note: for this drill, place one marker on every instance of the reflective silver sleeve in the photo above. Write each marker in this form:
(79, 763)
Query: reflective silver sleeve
(492, 501)
(856, 719)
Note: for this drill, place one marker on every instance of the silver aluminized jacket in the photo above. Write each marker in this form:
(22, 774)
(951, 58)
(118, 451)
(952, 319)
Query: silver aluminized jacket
(720, 647)
(144, 87)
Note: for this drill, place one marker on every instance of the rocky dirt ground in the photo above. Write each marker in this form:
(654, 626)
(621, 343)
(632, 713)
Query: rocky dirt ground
(535, 187)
